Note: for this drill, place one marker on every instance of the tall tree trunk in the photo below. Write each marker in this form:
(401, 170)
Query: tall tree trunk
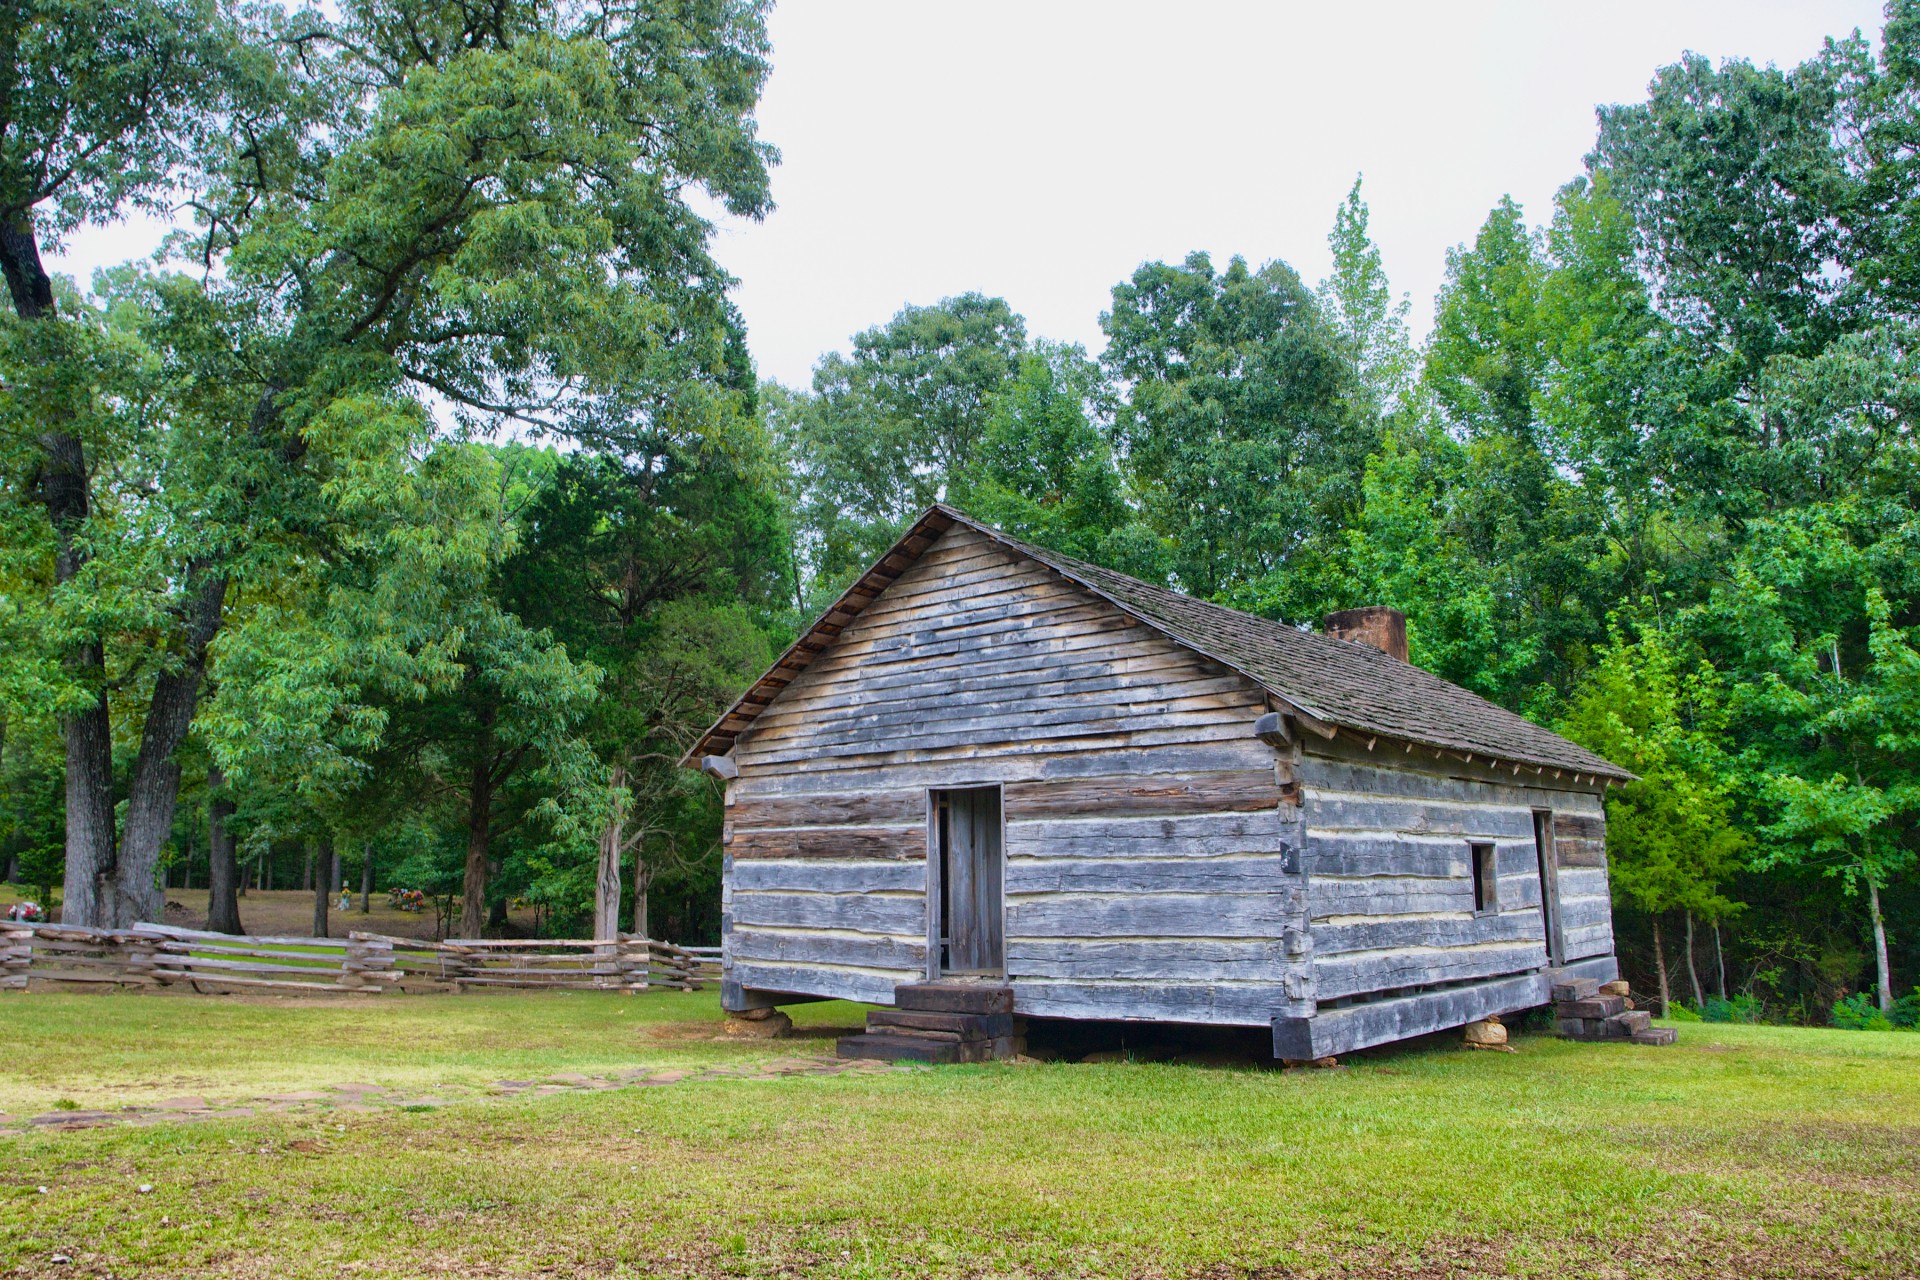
(606, 881)
(640, 879)
(86, 897)
(154, 789)
(1660, 962)
(1880, 946)
(1719, 962)
(1693, 974)
(223, 887)
(306, 869)
(366, 877)
(322, 864)
(87, 730)
(473, 889)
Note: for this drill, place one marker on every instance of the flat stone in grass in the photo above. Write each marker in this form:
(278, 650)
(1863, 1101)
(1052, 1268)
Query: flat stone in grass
(75, 1118)
(303, 1095)
(359, 1088)
(183, 1104)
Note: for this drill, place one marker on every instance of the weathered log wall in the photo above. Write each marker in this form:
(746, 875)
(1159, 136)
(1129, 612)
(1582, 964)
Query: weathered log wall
(1389, 880)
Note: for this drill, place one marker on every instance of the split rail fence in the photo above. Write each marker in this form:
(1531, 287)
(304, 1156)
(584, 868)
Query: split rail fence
(161, 956)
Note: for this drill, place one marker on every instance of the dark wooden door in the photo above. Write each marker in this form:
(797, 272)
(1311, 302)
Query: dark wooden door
(972, 935)
(1549, 883)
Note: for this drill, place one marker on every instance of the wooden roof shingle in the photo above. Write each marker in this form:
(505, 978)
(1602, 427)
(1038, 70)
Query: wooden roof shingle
(1336, 683)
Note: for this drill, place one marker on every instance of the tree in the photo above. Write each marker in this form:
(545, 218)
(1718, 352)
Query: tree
(486, 207)
(885, 431)
(1359, 303)
(1671, 840)
(100, 105)
(1045, 470)
(1829, 697)
(665, 569)
(1238, 432)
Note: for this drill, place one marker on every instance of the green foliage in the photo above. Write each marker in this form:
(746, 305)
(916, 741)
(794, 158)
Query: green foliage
(886, 431)
(100, 101)
(1359, 304)
(1858, 1013)
(1045, 471)
(1741, 1008)
(1671, 840)
(1243, 439)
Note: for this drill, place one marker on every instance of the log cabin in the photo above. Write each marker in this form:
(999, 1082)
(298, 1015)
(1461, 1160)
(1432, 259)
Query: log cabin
(991, 781)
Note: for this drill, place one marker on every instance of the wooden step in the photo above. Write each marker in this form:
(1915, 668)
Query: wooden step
(908, 1047)
(1631, 1023)
(1620, 1026)
(1576, 989)
(899, 1048)
(965, 1026)
(953, 997)
(1591, 1007)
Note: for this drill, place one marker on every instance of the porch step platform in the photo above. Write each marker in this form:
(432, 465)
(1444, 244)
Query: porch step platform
(940, 1022)
(954, 996)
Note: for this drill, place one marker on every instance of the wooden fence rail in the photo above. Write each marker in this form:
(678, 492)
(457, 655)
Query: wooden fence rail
(153, 956)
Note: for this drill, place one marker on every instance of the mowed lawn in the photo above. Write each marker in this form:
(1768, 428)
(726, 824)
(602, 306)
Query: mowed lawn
(1744, 1151)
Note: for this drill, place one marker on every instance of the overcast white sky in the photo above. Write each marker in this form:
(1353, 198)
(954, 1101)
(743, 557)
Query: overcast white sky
(1043, 150)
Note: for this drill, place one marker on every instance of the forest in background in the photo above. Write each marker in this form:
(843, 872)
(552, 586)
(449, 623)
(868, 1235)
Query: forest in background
(416, 515)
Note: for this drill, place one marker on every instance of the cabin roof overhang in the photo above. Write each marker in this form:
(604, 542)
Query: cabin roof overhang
(1148, 605)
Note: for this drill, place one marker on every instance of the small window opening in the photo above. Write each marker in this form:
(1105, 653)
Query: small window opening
(1485, 880)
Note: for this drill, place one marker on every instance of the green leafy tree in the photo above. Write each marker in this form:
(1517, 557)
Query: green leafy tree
(1046, 472)
(1672, 843)
(885, 431)
(1238, 433)
(1471, 523)
(485, 208)
(668, 570)
(1828, 696)
(1360, 304)
(101, 104)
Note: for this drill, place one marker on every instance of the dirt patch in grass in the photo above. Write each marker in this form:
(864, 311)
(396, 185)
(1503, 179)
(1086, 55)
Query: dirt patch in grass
(1867, 1157)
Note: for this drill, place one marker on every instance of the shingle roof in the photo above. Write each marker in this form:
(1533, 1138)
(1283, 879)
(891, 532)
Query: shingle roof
(1340, 683)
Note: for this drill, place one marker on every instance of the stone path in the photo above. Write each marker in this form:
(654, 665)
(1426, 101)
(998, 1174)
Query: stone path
(371, 1099)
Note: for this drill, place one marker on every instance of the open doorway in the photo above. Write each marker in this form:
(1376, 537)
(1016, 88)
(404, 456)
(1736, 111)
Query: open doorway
(967, 878)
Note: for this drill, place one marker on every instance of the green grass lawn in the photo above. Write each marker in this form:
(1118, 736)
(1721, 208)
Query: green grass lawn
(1744, 1151)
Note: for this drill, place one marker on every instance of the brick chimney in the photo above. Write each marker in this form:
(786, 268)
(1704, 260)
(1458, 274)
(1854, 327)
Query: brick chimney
(1383, 628)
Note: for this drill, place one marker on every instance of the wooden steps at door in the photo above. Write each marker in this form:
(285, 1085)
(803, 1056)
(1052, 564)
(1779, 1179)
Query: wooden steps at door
(1582, 1011)
(940, 1022)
